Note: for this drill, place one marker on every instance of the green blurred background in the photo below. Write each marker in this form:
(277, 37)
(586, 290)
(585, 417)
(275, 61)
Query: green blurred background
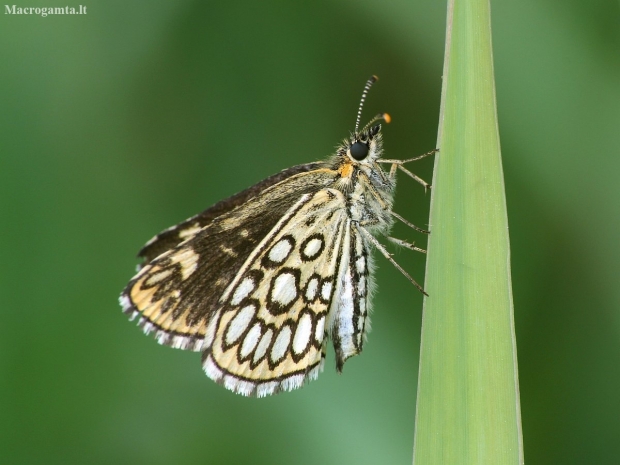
(124, 121)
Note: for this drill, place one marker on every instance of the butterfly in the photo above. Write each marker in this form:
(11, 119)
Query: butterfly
(261, 281)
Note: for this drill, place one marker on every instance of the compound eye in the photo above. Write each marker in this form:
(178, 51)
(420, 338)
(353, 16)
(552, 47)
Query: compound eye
(359, 150)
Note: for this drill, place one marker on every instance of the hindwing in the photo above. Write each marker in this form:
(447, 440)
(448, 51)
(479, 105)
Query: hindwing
(270, 331)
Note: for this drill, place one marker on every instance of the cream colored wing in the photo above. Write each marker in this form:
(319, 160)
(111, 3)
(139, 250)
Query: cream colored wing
(269, 334)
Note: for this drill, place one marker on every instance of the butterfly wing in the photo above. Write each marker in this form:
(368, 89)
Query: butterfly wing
(261, 287)
(176, 293)
(269, 334)
(308, 281)
(173, 236)
(351, 305)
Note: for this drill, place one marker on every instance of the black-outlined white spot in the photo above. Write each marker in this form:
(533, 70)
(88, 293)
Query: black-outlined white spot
(312, 247)
(239, 323)
(319, 329)
(279, 252)
(243, 290)
(326, 290)
(263, 345)
(250, 340)
(311, 288)
(281, 344)
(283, 291)
(303, 333)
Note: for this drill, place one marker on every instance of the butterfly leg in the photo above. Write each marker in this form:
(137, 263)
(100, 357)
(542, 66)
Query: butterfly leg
(411, 225)
(388, 255)
(393, 169)
(408, 245)
(408, 160)
(398, 165)
(414, 177)
(419, 157)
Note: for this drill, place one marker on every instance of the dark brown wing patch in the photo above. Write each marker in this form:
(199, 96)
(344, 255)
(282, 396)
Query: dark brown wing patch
(173, 236)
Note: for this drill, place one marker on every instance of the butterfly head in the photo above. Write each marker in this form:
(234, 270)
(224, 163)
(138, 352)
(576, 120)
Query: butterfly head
(365, 146)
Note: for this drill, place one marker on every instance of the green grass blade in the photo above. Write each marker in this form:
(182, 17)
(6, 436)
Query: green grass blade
(468, 396)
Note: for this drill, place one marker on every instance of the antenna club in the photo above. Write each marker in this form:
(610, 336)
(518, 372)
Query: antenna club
(387, 118)
(374, 78)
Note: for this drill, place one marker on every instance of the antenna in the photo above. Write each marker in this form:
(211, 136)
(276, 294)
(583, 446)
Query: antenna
(367, 87)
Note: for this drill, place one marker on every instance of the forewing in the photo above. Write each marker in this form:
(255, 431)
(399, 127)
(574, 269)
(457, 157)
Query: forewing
(269, 334)
(177, 293)
(173, 236)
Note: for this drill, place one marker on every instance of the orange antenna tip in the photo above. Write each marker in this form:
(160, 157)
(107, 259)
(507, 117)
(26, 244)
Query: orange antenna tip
(387, 118)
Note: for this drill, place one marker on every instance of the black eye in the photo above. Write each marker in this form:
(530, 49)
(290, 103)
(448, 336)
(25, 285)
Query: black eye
(359, 150)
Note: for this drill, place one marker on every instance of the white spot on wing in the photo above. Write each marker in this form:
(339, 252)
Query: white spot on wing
(250, 341)
(263, 345)
(280, 251)
(361, 286)
(311, 289)
(312, 247)
(361, 265)
(239, 323)
(302, 333)
(280, 346)
(284, 290)
(243, 290)
(320, 329)
(326, 290)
